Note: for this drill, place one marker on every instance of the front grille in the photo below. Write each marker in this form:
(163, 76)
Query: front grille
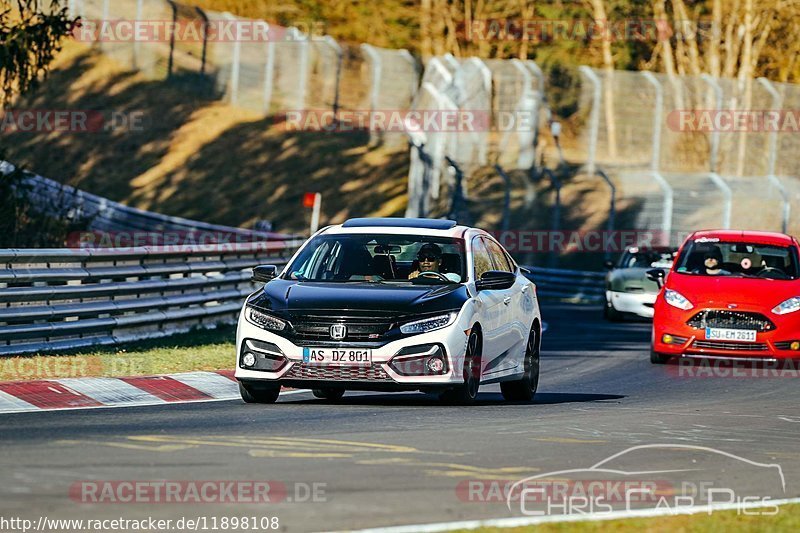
(724, 345)
(720, 318)
(337, 373)
(309, 327)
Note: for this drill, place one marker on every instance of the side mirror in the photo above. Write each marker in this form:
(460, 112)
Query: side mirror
(496, 280)
(264, 273)
(657, 275)
(608, 264)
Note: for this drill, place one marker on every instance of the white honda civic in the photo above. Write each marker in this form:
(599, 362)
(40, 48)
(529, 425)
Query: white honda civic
(392, 304)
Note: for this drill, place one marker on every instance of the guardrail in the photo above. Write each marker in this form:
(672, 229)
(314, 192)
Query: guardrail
(574, 285)
(57, 299)
(118, 221)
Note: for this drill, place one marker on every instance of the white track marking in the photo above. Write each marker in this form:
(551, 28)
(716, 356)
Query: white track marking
(210, 383)
(13, 404)
(110, 391)
(9, 409)
(590, 517)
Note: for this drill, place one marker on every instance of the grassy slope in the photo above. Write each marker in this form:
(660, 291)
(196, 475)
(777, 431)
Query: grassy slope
(197, 350)
(199, 158)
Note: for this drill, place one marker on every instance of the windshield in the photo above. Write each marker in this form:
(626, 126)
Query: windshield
(714, 258)
(646, 259)
(380, 259)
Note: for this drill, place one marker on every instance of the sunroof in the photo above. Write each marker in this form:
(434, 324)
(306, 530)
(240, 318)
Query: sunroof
(397, 222)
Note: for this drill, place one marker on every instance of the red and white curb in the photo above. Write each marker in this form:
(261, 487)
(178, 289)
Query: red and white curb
(88, 393)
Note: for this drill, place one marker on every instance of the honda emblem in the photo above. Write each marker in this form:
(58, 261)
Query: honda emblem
(338, 331)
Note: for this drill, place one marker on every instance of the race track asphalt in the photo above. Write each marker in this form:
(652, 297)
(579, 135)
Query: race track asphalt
(379, 459)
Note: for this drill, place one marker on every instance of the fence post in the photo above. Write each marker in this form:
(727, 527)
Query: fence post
(777, 104)
(594, 117)
(330, 41)
(233, 84)
(269, 72)
(375, 80)
(170, 61)
(302, 79)
(506, 197)
(714, 156)
(658, 111)
(136, 44)
(552, 261)
(205, 40)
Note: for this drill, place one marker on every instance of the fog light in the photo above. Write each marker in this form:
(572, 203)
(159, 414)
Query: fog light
(248, 359)
(667, 338)
(435, 365)
(795, 345)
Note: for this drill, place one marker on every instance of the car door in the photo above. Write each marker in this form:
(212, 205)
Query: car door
(509, 331)
(489, 305)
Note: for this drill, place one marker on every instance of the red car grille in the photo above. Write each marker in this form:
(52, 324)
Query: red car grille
(337, 373)
(720, 318)
(733, 346)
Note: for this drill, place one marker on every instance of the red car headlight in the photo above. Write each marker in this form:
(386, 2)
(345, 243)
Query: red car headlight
(787, 306)
(676, 299)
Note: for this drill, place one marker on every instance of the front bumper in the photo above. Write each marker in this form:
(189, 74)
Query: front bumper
(377, 376)
(689, 341)
(637, 303)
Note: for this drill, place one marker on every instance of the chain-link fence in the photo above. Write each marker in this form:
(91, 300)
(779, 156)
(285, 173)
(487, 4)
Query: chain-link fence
(691, 152)
(497, 105)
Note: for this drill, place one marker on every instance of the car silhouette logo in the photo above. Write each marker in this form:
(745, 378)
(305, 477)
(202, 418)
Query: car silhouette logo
(732, 306)
(338, 331)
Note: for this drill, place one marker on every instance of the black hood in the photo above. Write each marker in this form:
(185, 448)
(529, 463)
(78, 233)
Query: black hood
(290, 297)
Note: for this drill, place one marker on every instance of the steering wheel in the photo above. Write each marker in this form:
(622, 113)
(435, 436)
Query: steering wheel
(772, 271)
(439, 275)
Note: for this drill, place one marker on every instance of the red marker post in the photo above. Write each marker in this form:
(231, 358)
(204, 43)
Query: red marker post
(313, 200)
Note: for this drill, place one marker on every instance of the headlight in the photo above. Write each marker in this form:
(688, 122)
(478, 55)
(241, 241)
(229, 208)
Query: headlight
(428, 324)
(264, 320)
(787, 306)
(676, 299)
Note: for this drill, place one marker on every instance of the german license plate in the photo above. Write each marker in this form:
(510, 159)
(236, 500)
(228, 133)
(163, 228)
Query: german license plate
(722, 334)
(338, 356)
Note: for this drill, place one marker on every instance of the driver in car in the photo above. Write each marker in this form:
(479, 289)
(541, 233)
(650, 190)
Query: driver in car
(429, 257)
(712, 261)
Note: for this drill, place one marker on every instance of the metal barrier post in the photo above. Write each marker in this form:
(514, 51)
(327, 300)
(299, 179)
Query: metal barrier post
(556, 221)
(330, 41)
(658, 110)
(506, 197)
(136, 44)
(269, 72)
(714, 156)
(777, 104)
(205, 39)
(233, 85)
(594, 117)
(375, 73)
(171, 60)
(302, 79)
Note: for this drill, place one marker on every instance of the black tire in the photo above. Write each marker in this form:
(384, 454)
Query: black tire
(466, 393)
(266, 393)
(659, 358)
(328, 394)
(523, 390)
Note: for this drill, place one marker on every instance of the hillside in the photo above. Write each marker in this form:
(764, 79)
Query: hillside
(196, 157)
